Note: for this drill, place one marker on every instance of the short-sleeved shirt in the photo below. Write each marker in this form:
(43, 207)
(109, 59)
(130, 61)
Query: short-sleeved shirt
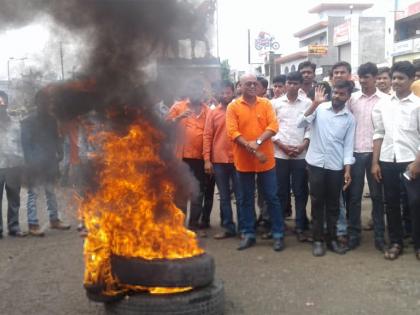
(190, 130)
(250, 121)
(217, 147)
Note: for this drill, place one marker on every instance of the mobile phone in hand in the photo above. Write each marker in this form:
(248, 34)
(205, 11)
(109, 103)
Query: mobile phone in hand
(407, 175)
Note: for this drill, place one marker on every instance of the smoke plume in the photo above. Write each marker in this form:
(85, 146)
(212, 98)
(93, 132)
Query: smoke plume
(122, 38)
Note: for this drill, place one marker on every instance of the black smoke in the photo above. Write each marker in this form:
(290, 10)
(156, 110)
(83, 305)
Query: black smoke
(123, 36)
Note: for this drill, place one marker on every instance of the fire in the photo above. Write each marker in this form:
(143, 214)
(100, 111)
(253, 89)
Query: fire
(132, 213)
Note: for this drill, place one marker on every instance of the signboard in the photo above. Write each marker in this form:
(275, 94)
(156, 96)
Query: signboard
(412, 9)
(319, 71)
(260, 43)
(318, 50)
(402, 47)
(342, 33)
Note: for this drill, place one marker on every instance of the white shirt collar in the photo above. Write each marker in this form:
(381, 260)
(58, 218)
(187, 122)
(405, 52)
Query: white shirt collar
(410, 98)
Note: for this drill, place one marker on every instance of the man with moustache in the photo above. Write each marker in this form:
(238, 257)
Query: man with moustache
(307, 69)
(43, 150)
(341, 71)
(250, 123)
(218, 160)
(11, 160)
(279, 86)
(383, 80)
(329, 158)
(290, 145)
(361, 105)
(396, 142)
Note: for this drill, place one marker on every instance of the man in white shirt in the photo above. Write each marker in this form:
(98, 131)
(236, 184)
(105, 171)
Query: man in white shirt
(11, 163)
(279, 83)
(290, 145)
(395, 145)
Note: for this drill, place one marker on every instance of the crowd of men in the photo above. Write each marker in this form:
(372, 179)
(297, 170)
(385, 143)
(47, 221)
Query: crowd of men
(33, 145)
(322, 140)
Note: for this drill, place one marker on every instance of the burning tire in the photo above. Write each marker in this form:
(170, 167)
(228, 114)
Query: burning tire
(205, 301)
(197, 271)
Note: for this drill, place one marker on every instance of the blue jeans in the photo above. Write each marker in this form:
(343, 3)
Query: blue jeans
(52, 206)
(342, 217)
(361, 167)
(10, 182)
(225, 174)
(296, 169)
(268, 183)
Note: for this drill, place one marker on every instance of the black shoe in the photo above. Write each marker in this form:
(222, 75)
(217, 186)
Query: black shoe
(342, 240)
(246, 243)
(204, 225)
(337, 248)
(353, 243)
(380, 245)
(318, 249)
(18, 233)
(301, 236)
(278, 244)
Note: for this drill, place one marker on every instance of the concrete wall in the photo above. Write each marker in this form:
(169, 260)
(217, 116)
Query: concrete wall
(332, 57)
(290, 64)
(371, 39)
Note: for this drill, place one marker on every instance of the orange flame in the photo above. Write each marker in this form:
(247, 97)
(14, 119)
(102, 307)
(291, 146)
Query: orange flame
(132, 213)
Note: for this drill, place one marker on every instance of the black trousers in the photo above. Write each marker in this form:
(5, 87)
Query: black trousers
(209, 184)
(196, 210)
(10, 181)
(392, 176)
(413, 194)
(325, 187)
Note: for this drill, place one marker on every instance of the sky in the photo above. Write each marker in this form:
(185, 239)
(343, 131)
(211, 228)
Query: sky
(35, 45)
(280, 18)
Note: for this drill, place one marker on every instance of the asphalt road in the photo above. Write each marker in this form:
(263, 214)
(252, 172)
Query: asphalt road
(44, 275)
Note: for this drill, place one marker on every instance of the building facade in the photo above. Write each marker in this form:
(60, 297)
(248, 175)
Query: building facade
(342, 34)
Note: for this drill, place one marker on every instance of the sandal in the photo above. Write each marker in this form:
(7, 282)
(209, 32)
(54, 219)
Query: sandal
(393, 252)
(224, 235)
(417, 253)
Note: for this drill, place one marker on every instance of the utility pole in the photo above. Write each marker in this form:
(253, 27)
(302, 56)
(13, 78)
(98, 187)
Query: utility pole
(61, 60)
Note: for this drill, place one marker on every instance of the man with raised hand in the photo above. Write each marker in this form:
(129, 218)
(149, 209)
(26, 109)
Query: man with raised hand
(329, 158)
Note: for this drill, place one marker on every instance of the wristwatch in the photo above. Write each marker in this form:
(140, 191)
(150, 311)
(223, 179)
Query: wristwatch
(259, 141)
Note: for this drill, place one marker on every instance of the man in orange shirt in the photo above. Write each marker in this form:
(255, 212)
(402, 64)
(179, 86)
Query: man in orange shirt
(250, 123)
(218, 159)
(189, 116)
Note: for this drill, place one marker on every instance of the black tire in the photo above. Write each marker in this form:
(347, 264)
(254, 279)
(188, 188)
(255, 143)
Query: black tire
(209, 300)
(197, 271)
(95, 293)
